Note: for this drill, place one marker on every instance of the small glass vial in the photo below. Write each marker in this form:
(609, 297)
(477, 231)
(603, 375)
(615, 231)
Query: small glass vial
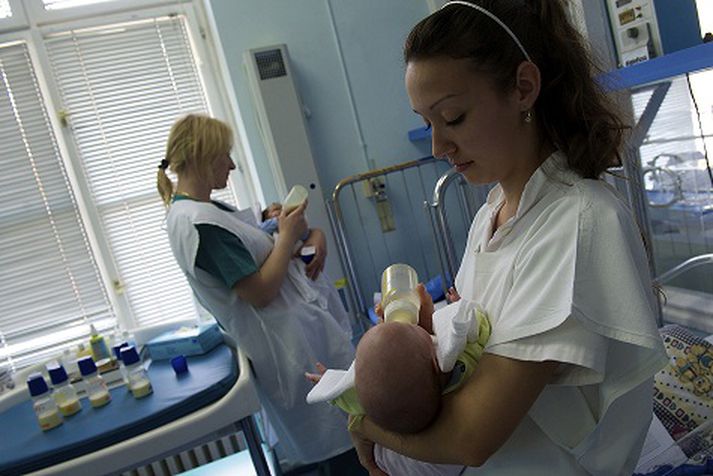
(96, 387)
(116, 349)
(399, 299)
(44, 405)
(139, 382)
(63, 392)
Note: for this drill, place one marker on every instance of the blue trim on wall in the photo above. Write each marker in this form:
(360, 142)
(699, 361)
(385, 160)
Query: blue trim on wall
(420, 133)
(658, 69)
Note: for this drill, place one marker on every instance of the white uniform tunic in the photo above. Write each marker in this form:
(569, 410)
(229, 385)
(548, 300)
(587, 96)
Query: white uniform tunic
(283, 340)
(567, 279)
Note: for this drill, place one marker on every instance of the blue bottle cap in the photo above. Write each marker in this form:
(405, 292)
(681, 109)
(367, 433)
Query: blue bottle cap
(86, 366)
(129, 355)
(117, 349)
(179, 364)
(307, 253)
(57, 374)
(37, 385)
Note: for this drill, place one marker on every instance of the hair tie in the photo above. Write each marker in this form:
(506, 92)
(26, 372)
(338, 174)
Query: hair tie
(163, 165)
(495, 19)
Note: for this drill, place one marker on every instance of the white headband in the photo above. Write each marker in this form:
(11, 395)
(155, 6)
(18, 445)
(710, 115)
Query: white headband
(495, 19)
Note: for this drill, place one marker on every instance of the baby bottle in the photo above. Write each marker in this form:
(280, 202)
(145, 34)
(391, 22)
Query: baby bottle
(399, 299)
(44, 405)
(63, 392)
(96, 387)
(122, 368)
(139, 382)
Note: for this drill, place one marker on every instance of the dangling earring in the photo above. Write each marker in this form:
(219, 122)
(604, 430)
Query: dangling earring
(528, 116)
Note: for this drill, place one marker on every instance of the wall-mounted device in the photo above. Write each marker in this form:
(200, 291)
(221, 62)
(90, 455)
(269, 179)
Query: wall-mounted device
(280, 118)
(644, 29)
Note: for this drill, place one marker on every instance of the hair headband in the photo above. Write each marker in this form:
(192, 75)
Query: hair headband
(495, 19)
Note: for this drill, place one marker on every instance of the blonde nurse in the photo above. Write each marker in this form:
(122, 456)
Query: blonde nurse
(256, 289)
(554, 257)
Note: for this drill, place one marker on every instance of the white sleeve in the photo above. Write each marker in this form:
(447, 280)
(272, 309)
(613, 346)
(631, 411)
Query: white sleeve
(582, 352)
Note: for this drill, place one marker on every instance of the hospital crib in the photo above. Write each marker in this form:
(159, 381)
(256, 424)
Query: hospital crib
(394, 215)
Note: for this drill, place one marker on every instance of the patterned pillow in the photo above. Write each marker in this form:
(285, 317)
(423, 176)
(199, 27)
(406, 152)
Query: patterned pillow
(683, 390)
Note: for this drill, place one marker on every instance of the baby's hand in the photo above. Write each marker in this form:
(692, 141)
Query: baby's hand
(425, 314)
(379, 311)
(452, 295)
(315, 378)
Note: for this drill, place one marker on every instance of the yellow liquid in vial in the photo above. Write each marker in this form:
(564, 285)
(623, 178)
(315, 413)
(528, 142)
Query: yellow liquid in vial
(99, 399)
(49, 420)
(70, 407)
(141, 389)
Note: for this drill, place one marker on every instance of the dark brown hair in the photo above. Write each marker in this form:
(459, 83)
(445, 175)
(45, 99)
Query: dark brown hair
(573, 112)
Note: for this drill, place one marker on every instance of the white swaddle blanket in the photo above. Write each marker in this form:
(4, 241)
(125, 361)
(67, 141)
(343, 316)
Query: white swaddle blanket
(453, 326)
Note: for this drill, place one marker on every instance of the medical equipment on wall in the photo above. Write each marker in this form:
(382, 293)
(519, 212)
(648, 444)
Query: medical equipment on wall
(645, 29)
(281, 121)
(399, 299)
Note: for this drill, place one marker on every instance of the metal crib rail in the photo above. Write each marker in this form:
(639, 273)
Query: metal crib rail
(355, 289)
(433, 203)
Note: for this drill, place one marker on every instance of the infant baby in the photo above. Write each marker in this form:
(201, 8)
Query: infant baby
(400, 375)
(397, 379)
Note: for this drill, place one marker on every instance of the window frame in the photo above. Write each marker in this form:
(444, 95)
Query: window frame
(212, 72)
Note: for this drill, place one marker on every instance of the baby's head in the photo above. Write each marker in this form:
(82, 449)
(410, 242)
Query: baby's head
(397, 378)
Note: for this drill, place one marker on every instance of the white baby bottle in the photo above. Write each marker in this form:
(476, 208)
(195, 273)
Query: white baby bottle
(399, 299)
(297, 195)
(63, 392)
(139, 382)
(44, 405)
(96, 387)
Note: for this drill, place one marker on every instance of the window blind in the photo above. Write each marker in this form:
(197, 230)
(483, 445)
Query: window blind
(5, 10)
(64, 4)
(50, 288)
(123, 86)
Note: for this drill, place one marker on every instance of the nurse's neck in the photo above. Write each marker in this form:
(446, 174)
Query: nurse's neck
(193, 188)
(514, 185)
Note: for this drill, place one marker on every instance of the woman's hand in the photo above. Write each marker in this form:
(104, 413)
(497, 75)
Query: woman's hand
(292, 225)
(425, 313)
(365, 451)
(317, 239)
(452, 295)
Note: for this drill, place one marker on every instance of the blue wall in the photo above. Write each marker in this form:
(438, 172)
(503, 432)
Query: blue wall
(371, 35)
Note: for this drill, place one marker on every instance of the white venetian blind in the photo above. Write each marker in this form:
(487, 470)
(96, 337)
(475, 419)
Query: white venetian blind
(50, 288)
(64, 4)
(5, 10)
(123, 86)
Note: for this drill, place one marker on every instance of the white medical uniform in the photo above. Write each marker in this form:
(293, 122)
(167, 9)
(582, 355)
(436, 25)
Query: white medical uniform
(283, 340)
(567, 279)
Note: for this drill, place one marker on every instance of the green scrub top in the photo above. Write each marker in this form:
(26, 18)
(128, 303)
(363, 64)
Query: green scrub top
(220, 253)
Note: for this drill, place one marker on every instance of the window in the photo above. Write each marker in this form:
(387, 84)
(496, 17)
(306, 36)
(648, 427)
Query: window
(62, 4)
(83, 239)
(51, 286)
(122, 86)
(5, 10)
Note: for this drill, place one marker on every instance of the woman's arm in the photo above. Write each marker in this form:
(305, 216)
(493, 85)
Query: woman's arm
(317, 239)
(261, 287)
(476, 420)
